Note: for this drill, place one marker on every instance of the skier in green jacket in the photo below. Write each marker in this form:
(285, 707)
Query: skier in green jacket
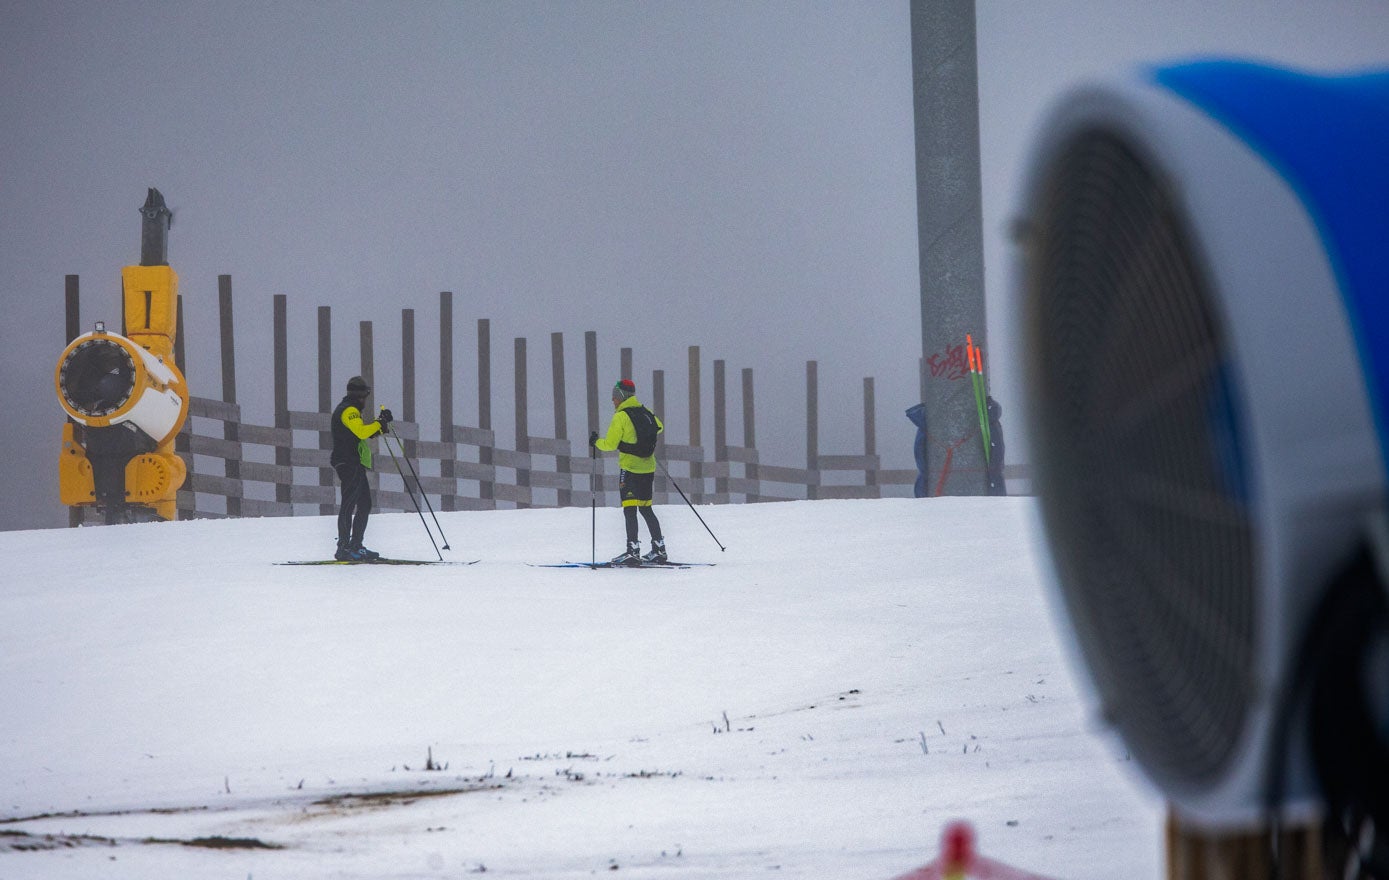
(632, 434)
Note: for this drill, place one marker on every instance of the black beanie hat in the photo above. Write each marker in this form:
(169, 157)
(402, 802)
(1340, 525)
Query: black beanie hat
(357, 385)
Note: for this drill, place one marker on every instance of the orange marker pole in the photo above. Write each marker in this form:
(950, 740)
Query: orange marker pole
(976, 375)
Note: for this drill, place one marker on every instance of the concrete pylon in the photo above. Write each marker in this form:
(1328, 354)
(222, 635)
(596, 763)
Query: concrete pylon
(945, 87)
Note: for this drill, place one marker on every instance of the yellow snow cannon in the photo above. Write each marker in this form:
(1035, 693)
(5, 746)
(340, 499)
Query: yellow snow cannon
(126, 397)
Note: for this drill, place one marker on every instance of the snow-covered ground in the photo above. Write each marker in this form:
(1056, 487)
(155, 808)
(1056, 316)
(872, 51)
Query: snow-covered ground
(849, 677)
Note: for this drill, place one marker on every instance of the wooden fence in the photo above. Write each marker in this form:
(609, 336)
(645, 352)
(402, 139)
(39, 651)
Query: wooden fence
(237, 468)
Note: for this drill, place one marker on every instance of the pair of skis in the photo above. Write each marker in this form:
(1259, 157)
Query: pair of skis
(619, 565)
(383, 561)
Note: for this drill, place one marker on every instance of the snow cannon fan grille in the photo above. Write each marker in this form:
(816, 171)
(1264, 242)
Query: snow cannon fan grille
(1140, 466)
(97, 377)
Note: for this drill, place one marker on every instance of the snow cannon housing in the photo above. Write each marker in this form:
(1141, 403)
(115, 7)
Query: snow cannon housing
(105, 379)
(125, 396)
(1205, 304)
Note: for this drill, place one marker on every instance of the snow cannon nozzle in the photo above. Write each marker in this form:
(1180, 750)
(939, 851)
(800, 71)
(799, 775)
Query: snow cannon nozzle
(154, 230)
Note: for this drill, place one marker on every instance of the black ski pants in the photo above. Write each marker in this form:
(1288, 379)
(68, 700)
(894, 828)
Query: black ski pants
(653, 525)
(356, 503)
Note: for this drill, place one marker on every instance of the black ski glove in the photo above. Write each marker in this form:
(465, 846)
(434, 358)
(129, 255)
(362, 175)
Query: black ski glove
(385, 418)
(592, 438)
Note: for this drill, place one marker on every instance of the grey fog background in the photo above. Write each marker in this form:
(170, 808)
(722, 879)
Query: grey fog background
(736, 175)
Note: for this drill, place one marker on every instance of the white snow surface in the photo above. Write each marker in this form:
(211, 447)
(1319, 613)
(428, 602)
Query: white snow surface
(847, 679)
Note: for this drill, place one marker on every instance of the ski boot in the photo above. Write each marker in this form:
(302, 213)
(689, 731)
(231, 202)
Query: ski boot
(346, 553)
(631, 556)
(365, 554)
(658, 552)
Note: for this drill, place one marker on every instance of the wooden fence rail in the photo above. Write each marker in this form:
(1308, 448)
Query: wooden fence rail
(237, 468)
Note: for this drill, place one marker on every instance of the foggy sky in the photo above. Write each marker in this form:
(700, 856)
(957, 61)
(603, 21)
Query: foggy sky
(738, 176)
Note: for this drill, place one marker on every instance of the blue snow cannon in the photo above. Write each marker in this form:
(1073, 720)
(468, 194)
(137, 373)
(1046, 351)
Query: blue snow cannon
(1204, 280)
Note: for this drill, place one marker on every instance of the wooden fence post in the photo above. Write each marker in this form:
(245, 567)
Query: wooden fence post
(696, 468)
(658, 406)
(750, 436)
(72, 308)
(184, 498)
(566, 496)
(720, 436)
(367, 355)
(449, 501)
(594, 416)
(180, 352)
(870, 435)
(591, 379)
(280, 321)
(625, 361)
(486, 488)
(231, 467)
(1195, 853)
(523, 446)
(368, 367)
(325, 396)
(407, 380)
(73, 329)
(812, 428)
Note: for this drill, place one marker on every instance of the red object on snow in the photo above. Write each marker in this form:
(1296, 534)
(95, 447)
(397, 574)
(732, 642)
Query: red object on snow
(959, 861)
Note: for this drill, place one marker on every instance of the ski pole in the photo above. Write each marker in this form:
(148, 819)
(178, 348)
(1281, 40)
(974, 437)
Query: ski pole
(386, 441)
(420, 487)
(722, 548)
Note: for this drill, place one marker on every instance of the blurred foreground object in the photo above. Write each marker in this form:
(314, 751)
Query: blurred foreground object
(1205, 287)
(960, 860)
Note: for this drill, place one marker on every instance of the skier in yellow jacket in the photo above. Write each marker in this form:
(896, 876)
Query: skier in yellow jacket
(351, 459)
(632, 434)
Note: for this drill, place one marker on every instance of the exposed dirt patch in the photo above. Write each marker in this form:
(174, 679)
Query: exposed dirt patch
(378, 800)
(218, 842)
(297, 809)
(22, 841)
(92, 814)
